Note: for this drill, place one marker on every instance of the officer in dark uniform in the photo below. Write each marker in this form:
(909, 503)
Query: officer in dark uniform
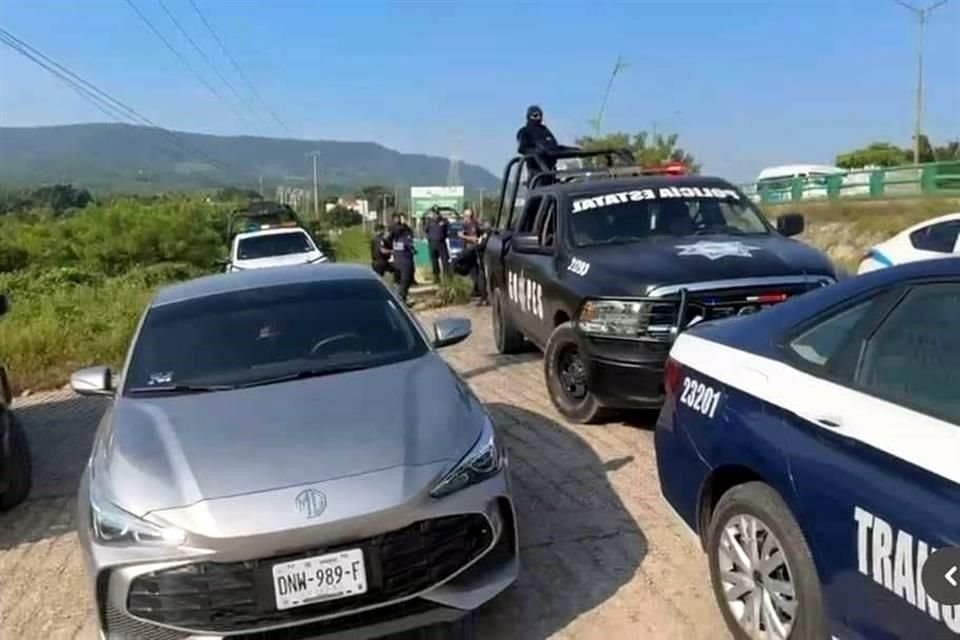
(436, 231)
(536, 137)
(380, 252)
(472, 235)
(401, 243)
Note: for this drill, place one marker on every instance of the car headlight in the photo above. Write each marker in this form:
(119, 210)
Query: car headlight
(483, 461)
(113, 525)
(627, 318)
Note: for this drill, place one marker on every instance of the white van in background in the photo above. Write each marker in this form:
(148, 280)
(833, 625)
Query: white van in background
(779, 180)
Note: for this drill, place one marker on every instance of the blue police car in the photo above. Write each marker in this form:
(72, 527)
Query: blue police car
(815, 450)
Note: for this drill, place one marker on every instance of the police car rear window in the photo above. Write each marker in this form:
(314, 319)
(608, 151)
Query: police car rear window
(630, 215)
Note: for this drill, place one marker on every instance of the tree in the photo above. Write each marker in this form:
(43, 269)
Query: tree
(647, 151)
(340, 217)
(876, 154)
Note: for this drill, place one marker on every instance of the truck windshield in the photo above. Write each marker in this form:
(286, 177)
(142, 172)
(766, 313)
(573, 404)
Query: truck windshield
(267, 246)
(265, 334)
(627, 216)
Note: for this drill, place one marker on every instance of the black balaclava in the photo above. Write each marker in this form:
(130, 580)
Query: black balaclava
(532, 109)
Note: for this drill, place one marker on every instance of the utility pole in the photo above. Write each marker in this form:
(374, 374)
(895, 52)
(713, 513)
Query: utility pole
(316, 187)
(922, 15)
(261, 185)
(617, 68)
(480, 212)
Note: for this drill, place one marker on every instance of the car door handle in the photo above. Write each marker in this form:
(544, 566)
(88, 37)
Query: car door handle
(833, 422)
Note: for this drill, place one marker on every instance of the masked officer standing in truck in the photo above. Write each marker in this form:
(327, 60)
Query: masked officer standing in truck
(536, 137)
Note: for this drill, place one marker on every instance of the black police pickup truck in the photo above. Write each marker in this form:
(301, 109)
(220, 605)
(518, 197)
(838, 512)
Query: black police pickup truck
(601, 268)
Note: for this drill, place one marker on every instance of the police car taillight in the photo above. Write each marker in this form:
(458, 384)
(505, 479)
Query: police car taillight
(672, 376)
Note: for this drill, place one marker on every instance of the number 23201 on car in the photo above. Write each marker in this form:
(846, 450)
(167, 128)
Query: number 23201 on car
(700, 397)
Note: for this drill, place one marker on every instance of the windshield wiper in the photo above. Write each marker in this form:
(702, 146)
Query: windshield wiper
(182, 388)
(303, 374)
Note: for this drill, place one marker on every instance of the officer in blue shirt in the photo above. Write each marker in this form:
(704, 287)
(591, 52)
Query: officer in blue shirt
(436, 230)
(401, 244)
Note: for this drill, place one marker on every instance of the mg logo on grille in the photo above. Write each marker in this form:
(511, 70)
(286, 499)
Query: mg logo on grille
(311, 503)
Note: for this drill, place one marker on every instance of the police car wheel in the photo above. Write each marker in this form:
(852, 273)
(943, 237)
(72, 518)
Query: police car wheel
(566, 377)
(762, 572)
(508, 339)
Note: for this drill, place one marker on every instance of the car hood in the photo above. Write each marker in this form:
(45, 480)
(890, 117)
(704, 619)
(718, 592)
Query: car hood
(279, 261)
(633, 269)
(168, 452)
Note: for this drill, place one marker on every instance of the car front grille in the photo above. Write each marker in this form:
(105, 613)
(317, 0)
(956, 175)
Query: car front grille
(716, 305)
(237, 596)
(117, 626)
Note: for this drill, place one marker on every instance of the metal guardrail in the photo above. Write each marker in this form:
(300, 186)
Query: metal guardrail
(916, 180)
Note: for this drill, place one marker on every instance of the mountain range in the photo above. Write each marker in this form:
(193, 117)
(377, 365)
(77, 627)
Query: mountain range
(122, 157)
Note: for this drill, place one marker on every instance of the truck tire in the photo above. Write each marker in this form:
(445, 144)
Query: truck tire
(20, 465)
(508, 339)
(566, 378)
(760, 510)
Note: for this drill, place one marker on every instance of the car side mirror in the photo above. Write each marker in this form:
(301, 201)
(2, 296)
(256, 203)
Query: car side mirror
(450, 331)
(92, 381)
(790, 224)
(528, 243)
(4, 305)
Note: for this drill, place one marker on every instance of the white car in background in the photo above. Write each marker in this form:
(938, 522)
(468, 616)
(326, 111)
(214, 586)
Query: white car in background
(934, 238)
(277, 247)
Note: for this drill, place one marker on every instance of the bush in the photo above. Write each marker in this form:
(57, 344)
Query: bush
(352, 245)
(453, 291)
(53, 330)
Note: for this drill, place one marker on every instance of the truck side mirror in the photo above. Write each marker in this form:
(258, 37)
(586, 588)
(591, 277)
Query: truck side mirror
(790, 224)
(528, 243)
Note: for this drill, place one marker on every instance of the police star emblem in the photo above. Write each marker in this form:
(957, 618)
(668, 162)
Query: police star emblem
(717, 250)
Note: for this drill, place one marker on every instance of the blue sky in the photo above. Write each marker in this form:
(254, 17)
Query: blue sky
(745, 84)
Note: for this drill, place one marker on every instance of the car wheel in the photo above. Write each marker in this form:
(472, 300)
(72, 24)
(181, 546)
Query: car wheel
(508, 339)
(763, 575)
(462, 629)
(20, 466)
(566, 376)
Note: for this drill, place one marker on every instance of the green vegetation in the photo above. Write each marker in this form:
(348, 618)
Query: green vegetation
(77, 283)
(885, 154)
(648, 150)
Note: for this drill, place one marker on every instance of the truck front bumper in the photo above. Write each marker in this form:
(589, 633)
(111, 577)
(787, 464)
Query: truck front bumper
(624, 374)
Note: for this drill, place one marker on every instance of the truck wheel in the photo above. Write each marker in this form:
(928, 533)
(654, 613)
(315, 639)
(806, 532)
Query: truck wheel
(763, 575)
(20, 466)
(566, 377)
(508, 339)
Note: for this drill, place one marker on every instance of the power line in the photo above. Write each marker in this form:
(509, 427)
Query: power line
(237, 68)
(93, 99)
(184, 61)
(196, 47)
(101, 99)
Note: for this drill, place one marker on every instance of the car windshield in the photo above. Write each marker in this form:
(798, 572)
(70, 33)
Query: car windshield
(278, 244)
(260, 335)
(613, 217)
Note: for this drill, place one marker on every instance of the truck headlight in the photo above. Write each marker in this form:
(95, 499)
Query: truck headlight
(113, 525)
(483, 461)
